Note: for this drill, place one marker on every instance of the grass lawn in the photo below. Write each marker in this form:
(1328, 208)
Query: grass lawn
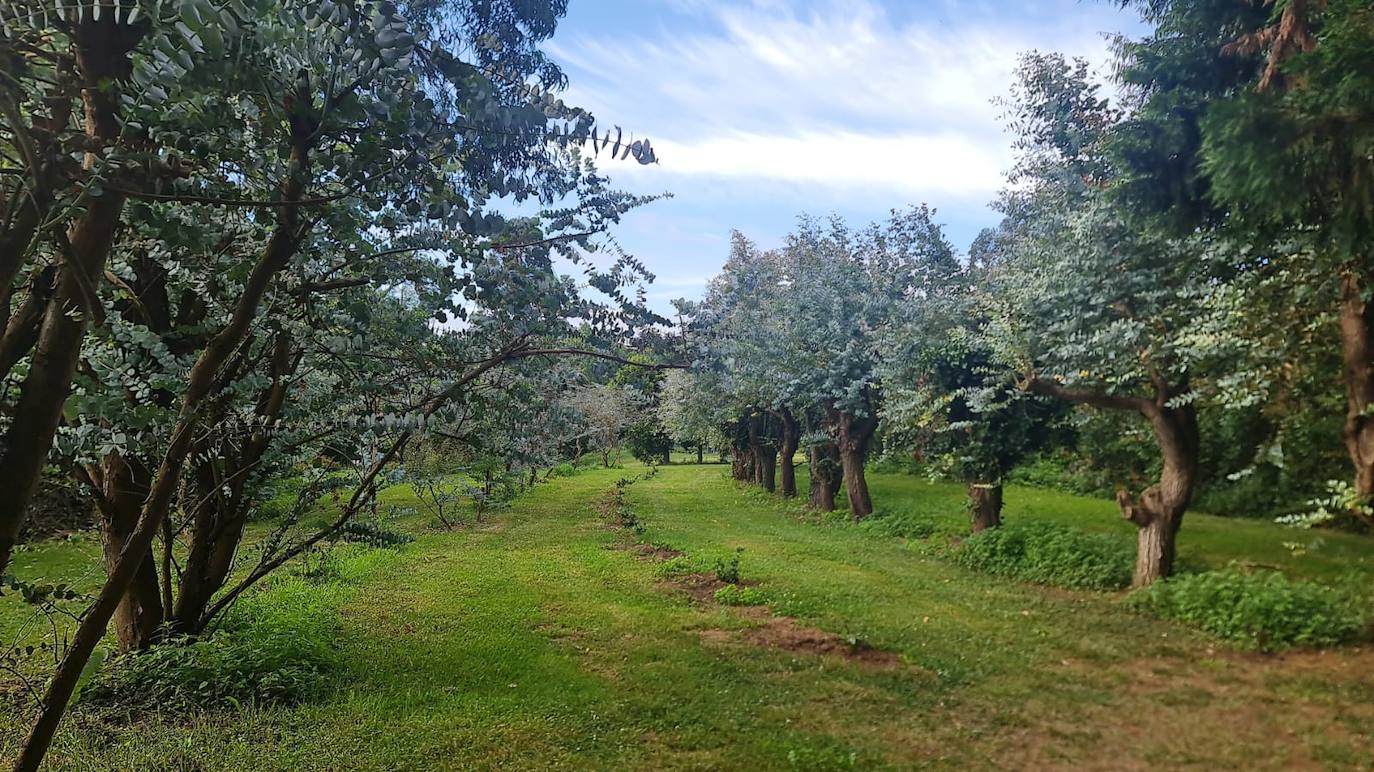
(533, 642)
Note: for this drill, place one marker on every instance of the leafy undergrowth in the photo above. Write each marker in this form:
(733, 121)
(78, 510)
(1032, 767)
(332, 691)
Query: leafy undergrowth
(737, 595)
(276, 645)
(1260, 610)
(1048, 553)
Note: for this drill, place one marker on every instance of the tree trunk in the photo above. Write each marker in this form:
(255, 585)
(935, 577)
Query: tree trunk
(1357, 354)
(855, 484)
(787, 450)
(44, 391)
(700, 452)
(825, 476)
(102, 55)
(852, 435)
(765, 454)
(1158, 511)
(221, 487)
(985, 505)
(742, 464)
(766, 467)
(140, 613)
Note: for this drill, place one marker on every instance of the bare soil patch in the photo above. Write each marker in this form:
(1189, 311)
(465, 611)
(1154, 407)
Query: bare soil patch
(787, 634)
(653, 553)
(776, 632)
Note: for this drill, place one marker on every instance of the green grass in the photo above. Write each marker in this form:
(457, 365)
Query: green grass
(528, 643)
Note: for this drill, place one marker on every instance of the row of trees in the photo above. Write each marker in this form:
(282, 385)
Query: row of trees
(1199, 247)
(241, 239)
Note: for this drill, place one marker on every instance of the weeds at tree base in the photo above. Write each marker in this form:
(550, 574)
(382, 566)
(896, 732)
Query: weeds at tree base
(1261, 610)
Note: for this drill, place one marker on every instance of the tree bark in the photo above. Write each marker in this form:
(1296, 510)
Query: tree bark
(1158, 511)
(118, 487)
(742, 464)
(700, 452)
(852, 436)
(824, 463)
(765, 453)
(985, 505)
(790, 438)
(1357, 355)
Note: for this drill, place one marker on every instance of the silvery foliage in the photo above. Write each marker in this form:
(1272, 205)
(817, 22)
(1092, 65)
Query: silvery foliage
(415, 147)
(692, 408)
(803, 326)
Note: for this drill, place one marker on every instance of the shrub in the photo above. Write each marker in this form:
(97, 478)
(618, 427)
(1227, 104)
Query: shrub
(729, 572)
(563, 470)
(1047, 553)
(902, 525)
(373, 535)
(896, 463)
(1264, 611)
(276, 646)
(735, 595)
(630, 521)
(647, 443)
(678, 566)
(1046, 471)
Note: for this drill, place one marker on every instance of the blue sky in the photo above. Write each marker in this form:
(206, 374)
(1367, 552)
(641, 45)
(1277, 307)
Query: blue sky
(761, 110)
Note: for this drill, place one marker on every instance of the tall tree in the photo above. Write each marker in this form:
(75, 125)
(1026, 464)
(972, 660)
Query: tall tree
(1277, 151)
(1094, 307)
(363, 151)
(946, 398)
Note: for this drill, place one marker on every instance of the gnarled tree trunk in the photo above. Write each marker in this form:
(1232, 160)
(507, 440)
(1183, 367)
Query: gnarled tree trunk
(985, 505)
(1357, 354)
(742, 464)
(789, 439)
(766, 467)
(853, 434)
(824, 463)
(1158, 511)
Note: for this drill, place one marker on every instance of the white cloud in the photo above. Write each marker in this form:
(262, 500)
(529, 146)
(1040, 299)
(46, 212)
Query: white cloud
(921, 164)
(840, 96)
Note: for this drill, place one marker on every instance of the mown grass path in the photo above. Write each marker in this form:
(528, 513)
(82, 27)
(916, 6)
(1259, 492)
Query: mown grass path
(532, 643)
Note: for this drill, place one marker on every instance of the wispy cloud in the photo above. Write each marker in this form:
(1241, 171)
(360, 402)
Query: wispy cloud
(918, 164)
(763, 109)
(837, 95)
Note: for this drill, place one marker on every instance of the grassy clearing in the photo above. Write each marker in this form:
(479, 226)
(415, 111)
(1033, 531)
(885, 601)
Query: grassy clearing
(529, 643)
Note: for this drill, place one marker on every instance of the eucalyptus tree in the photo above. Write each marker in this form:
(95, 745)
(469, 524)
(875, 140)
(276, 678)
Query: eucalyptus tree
(358, 139)
(645, 437)
(946, 398)
(60, 100)
(1093, 307)
(692, 412)
(140, 92)
(1254, 120)
(741, 324)
(844, 290)
(606, 413)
